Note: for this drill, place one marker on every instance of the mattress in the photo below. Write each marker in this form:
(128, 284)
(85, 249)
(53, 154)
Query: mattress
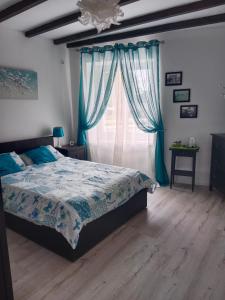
(68, 194)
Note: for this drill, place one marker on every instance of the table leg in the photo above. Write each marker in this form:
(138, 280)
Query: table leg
(193, 171)
(173, 162)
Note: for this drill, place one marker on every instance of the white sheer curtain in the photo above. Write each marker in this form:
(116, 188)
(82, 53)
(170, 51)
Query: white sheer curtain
(117, 140)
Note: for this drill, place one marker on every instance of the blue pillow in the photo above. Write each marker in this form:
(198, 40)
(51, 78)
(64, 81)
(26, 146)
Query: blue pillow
(40, 155)
(8, 165)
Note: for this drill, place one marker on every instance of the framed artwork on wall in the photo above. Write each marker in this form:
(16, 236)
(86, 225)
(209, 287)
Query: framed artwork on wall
(181, 95)
(189, 111)
(173, 78)
(18, 84)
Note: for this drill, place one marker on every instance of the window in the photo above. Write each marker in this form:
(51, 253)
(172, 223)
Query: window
(116, 139)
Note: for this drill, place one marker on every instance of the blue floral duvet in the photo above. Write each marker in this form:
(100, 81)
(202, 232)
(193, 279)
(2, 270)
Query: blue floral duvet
(69, 193)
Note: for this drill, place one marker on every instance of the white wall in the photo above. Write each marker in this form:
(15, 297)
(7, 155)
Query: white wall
(200, 54)
(33, 118)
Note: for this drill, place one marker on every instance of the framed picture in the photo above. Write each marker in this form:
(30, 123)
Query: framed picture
(182, 95)
(189, 111)
(173, 78)
(18, 84)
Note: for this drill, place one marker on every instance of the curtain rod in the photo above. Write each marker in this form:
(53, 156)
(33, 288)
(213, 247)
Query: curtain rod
(78, 49)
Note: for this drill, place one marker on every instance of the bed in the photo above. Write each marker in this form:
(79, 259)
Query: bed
(93, 229)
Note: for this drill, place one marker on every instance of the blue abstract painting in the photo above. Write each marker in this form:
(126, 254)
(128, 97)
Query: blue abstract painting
(18, 84)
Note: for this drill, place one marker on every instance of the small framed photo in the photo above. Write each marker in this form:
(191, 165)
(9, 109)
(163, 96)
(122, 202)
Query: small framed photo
(173, 78)
(189, 111)
(182, 95)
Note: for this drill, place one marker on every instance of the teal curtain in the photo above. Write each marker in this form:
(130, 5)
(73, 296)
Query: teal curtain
(140, 72)
(97, 73)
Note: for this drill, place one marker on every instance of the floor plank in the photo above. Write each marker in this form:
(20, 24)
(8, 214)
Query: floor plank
(175, 250)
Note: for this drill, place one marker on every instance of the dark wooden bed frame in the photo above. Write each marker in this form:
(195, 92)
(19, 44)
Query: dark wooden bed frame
(90, 235)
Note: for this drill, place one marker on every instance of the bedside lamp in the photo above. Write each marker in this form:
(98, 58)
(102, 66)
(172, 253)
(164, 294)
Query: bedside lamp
(58, 132)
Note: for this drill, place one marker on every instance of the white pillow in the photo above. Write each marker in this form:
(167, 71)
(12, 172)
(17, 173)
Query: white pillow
(55, 152)
(26, 159)
(18, 160)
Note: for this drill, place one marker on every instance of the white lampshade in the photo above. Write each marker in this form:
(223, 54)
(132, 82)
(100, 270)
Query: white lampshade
(100, 13)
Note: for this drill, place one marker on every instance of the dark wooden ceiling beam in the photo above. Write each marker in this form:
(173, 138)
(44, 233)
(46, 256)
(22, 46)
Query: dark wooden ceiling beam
(55, 24)
(62, 21)
(18, 8)
(151, 30)
(155, 16)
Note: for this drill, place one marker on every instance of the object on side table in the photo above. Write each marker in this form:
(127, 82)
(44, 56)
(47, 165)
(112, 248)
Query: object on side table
(78, 152)
(217, 173)
(191, 145)
(177, 143)
(58, 132)
(183, 152)
(191, 141)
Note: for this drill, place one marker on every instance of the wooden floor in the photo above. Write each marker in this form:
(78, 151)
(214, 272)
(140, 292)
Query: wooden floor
(173, 250)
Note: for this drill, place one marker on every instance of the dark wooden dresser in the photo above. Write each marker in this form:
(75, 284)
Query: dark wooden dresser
(217, 172)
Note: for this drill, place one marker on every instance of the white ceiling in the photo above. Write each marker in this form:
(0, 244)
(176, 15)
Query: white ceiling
(52, 9)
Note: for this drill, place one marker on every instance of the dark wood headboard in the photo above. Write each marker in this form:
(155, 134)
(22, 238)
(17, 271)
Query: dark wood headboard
(24, 145)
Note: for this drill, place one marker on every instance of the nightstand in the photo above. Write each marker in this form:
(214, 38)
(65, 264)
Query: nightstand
(184, 152)
(78, 152)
